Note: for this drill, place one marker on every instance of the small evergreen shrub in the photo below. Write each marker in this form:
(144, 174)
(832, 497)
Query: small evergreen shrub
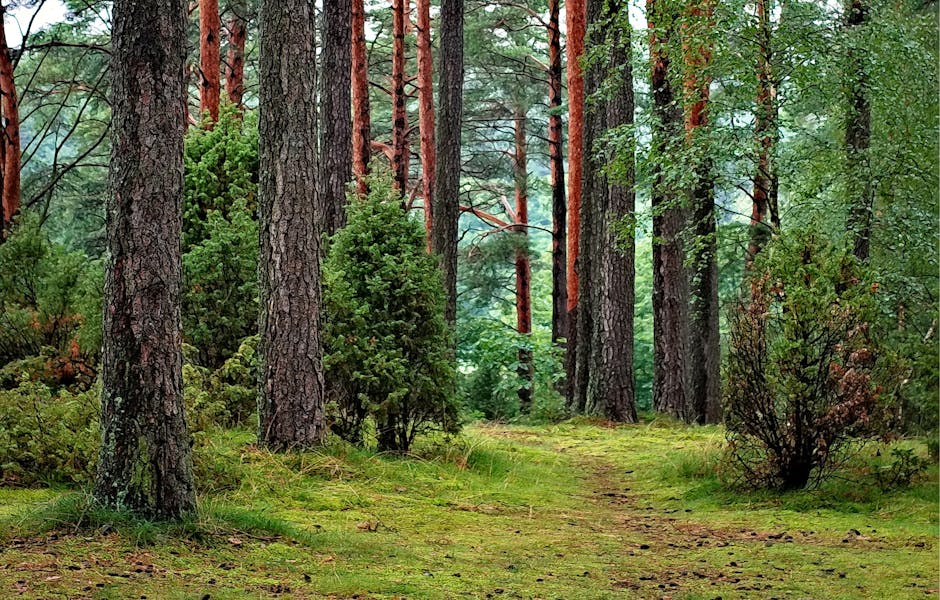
(387, 347)
(798, 375)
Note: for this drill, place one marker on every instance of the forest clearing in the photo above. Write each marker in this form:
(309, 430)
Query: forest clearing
(574, 510)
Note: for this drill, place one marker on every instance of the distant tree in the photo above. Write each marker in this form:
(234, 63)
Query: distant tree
(237, 27)
(143, 467)
(210, 65)
(336, 128)
(426, 112)
(291, 398)
(10, 146)
(362, 118)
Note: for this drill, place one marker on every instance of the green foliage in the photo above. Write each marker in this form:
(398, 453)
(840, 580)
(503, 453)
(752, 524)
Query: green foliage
(220, 291)
(387, 348)
(227, 396)
(50, 301)
(46, 436)
(798, 375)
(905, 468)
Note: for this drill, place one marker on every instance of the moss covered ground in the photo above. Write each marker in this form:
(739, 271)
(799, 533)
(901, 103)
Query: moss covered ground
(575, 510)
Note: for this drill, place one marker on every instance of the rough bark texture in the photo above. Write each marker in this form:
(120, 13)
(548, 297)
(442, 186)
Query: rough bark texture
(611, 389)
(575, 15)
(10, 145)
(145, 464)
(670, 285)
(523, 266)
(765, 217)
(447, 177)
(362, 120)
(704, 343)
(426, 112)
(291, 396)
(235, 57)
(556, 166)
(335, 101)
(858, 137)
(399, 110)
(210, 65)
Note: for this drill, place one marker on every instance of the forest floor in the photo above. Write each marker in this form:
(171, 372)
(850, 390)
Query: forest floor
(573, 511)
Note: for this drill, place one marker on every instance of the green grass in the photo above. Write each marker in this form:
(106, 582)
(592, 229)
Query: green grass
(570, 511)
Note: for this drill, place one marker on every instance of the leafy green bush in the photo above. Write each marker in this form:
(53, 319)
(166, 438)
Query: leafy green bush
(798, 374)
(387, 348)
(46, 436)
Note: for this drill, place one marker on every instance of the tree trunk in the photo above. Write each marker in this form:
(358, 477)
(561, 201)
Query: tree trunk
(556, 165)
(448, 168)
(291, 397)
(10, 147)
(335, 102)
(765, 217)
(362, 120)
(575, 15)
(145, 463)
(670, 285)
(858, 136)
(235, 58)
(426, 112)
(704, 343)
(523, 267)
(611, 387)
(209, 59)
(399, 110)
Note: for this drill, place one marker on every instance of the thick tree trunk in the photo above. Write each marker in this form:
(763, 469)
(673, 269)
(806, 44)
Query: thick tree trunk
(447, 176)
(611, 385)
(209, 58)
(335, 107)
(145, 464)
(10, 146)
(523, 267)
(291, 397)
(235, 57)
(426, 112)
(704, 343)
(575, 15)
(556, 165)
(765, 217)
(670, 285)
(399, 110)
(858, 137)
(362, 120)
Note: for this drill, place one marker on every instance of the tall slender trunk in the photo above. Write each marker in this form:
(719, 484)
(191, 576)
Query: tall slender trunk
(335, 107)
(145, 461)
(670, 284)
(210, 65)
(611, 387)
(235, 57)
(704, 342)
(556, 166)
(858, 136)
(362, 120)
(523, 267)
(426, 112)
(447, 176)
(399, 110)
(291, 403)
(10, 146)
(765, 216)
(575, 15)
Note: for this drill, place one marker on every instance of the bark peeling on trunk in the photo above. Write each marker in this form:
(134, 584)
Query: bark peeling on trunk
(210, 65)
(10, 145)
(426, 112)
(145, 464)
(235, 57)
(291, 403)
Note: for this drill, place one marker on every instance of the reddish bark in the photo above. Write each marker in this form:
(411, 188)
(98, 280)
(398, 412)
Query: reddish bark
(523, 267)
(209, 58)
(235, 58)
(362, 122)
(765, 130)
(556, 165)
(426, 111)
(399, 112)
(575, 15)
(10, 147)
